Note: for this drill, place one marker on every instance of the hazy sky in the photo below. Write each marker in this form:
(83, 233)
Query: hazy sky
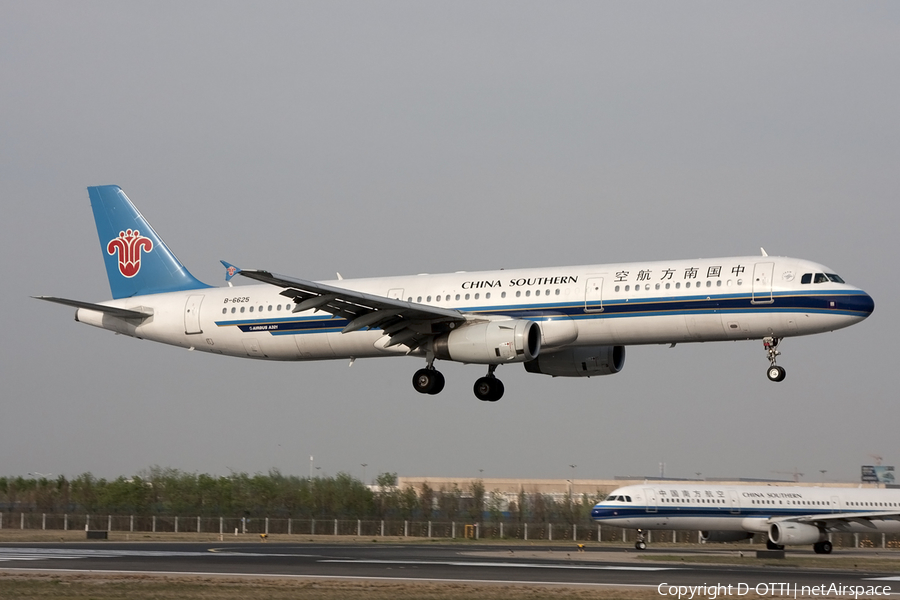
(380, 138)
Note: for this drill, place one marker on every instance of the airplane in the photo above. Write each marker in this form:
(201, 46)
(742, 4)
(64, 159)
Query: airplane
(570, 321)
(789, 515)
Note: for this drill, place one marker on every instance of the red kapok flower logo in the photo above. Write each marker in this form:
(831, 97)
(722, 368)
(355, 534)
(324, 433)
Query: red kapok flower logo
(129, 245)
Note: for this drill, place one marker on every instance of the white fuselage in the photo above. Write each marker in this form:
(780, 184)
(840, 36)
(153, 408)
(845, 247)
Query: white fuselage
(705, 507)
(700, 300)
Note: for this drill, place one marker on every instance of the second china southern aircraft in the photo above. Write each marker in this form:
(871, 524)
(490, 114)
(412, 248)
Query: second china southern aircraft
(562, 321)
(789, 515)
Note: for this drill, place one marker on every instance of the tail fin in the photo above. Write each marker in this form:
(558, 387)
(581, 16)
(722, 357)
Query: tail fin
(137, 260)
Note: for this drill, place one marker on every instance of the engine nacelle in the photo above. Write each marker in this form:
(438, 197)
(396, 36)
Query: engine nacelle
(790, 533)
(719, 537)
(491, 343)
(579, 361)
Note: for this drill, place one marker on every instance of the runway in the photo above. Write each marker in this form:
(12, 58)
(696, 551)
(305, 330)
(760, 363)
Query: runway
(435, 563)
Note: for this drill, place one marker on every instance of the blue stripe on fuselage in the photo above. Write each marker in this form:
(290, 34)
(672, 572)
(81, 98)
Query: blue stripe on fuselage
(844, 303)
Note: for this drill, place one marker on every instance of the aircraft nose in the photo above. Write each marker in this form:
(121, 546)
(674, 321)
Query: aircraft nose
(864, 304)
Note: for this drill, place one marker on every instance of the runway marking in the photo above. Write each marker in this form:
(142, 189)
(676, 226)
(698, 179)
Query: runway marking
(891, 578)
(498, 564)
(7, 554)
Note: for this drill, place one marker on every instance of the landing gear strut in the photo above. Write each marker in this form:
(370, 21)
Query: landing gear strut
(640, 544)
(774, 373)
(489, 388)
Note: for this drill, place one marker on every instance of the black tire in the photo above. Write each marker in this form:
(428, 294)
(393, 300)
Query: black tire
(438, 383)
(770, 545)
(484, 388)
(824, 547)
(776, 373)
(640, 545)
(498, 390)
(424, 381)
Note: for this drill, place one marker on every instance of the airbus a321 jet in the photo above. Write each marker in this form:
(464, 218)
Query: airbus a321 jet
(562, 321)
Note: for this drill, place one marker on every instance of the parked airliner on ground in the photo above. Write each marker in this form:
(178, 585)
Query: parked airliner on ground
(560, 321)
(790, 515)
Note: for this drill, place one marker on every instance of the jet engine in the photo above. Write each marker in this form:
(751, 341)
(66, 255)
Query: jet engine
(791, 533)
(719, 537)
(491, 343)
(579, 361)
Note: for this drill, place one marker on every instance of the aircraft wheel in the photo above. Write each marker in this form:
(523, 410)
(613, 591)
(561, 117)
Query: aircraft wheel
(770, 545)
(488, 389)
(428, 381)
(438, 382)
(640, 545)
(823, 547)
(776, 373)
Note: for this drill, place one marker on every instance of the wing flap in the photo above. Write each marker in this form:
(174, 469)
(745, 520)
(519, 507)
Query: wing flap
(407, 323)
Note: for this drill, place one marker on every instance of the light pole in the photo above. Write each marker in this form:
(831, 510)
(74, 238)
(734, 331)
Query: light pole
(572, 481)
(364, 465)
(310, 466)
(823, 471)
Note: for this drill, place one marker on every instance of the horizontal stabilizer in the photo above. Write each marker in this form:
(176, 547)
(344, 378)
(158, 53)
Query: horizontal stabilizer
(122, 313)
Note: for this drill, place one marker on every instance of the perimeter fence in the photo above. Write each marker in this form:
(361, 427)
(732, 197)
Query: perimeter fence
(492, 530)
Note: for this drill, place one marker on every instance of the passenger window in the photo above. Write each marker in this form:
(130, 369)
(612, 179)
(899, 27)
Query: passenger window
(557, 291)
(806, 278)
(477, 295)
(518, 293)
(279, 307)
(503, 294)
(647, 287)
(428, 299)
(270, 306)
(546, 292)
(438, 299)
(242, 309)
(678, 285)
(527, 293)
(467, 296)
(487, 296)
(287, 307)
(668, 285)
(718, 283)
(709, 283)
(617, 288)
(232, 310)
(627, 288)
(419, 299)
(537, 292)
(224, 310)
(657, 286)
(457, 296)
(688, 284)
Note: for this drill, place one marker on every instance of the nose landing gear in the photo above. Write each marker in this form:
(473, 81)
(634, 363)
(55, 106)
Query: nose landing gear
(640, 544)
(774, 373)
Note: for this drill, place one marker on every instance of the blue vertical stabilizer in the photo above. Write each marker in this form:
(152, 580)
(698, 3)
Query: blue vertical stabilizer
(137, 261)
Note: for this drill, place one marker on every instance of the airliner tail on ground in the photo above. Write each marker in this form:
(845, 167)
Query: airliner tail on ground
(572, 321)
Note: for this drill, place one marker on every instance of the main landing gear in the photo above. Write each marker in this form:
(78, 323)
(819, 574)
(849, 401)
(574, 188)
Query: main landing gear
(823, 547)
(489, 388)
(430, 381)
(640, 544)
(774, 373)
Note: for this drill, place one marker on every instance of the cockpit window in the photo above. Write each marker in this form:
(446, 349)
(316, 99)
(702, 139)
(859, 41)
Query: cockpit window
(627, 498)
(610, 498)
(821, 278)
(834, 278)
(806, 278)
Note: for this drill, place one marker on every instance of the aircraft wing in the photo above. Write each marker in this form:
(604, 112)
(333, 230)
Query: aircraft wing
(841, 520)
(122, 313)
(407, 323)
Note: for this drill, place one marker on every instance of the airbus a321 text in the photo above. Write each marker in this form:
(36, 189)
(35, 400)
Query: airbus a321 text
(789, 515)
(564, 321)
